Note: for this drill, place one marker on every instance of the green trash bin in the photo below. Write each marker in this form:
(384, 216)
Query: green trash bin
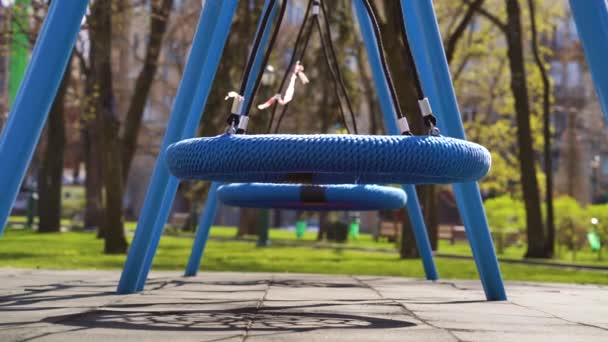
(353, 231)
(301, 226)
(594, 241)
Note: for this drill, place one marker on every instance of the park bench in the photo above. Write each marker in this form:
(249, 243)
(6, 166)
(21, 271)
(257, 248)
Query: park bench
(178, 221)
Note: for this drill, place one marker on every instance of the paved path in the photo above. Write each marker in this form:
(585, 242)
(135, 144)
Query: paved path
(40, 305)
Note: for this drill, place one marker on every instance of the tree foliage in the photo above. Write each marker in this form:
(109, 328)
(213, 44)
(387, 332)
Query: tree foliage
(481, 75)
(505, 215)
(571, 223)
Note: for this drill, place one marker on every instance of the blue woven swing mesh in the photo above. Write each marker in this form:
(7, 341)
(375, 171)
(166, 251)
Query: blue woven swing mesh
(336, 197)
(329, 159)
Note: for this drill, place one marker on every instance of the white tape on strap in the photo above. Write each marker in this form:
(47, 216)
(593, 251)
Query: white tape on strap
(298, 73)
(237, 102)
(403, 125)
(243, 122)
(315, 8)
(425, 107)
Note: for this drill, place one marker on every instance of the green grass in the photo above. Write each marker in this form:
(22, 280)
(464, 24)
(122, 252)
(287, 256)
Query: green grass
(309, 238)
(584, 256)
(75, 250)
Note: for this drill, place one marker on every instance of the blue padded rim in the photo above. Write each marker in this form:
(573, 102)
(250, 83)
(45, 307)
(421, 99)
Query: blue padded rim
(340, 197)
(328, 159)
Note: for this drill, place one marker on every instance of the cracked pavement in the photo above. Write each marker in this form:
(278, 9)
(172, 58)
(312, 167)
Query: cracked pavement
(44, 305)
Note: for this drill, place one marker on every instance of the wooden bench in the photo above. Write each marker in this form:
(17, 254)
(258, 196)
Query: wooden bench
(389, 230)
(178, 221)
(452, 233)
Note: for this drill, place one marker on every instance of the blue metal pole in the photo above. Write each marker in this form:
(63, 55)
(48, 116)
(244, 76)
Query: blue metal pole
(202, 234)
(207, 47)
(191, 126)
(431, 93)
(390, 120)
(35, 97)
(208, 215)
(159, 227)
(591, 18)
(429, 55)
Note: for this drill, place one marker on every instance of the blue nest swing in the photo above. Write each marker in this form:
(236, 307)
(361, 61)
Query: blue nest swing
(328, 159)
(343, 197)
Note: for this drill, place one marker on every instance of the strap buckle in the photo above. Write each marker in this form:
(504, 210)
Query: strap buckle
(430, 121)
(404, 126)
(237, 102)
(235, 118)
(315, 7)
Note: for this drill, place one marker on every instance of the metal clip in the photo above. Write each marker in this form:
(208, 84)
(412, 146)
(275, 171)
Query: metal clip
(425, 107)
(315, 7)
(230, 129)
(244, 120)
(429, 119)
(237, 102)
(403, 125)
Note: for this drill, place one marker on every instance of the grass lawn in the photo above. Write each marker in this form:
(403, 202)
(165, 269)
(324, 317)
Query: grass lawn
(584, 256)
(76, 250)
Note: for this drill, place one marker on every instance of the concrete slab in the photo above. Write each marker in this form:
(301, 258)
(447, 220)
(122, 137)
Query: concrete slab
(43, 305)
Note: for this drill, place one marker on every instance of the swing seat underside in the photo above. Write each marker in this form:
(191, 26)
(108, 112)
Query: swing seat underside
(328, 159)
(343, 197)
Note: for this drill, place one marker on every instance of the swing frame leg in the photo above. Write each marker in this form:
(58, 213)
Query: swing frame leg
(429, 56)
(35, 97)
(390, 121)
(208, 44)
(159, 227)
(591, 19)
(189, 131)
(202, 233)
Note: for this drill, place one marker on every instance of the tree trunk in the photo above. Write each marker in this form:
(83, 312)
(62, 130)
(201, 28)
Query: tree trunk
(159, 19)
(101, 23)
(428, 200)
(248, 221)
(407, 243)
(400, 66)
(50, 174)
(93, 211)
(550, 243)
(368, 88)
(323, 223)
(534, 223)
(92, 155)
(325, 129)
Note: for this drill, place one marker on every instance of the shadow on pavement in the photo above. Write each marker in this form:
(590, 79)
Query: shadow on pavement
(224, 320)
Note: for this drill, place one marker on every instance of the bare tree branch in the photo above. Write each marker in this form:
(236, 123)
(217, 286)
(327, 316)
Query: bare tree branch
(491, 17)
(460, 29)
(158, 27)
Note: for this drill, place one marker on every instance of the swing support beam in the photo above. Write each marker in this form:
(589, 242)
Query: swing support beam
(207, 47)
(53, 49)
(591, 19)
(218, 38)
(429, 56)
(38, 88)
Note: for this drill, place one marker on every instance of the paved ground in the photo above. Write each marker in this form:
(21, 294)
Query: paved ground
(81, 306)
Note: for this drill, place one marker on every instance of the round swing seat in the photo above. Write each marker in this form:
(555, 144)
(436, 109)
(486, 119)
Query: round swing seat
(343, 197)
(328, 159)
